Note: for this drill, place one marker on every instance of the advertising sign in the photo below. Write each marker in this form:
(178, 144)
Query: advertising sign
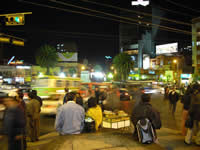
(146, 61)
(68, 56)
(167, 48)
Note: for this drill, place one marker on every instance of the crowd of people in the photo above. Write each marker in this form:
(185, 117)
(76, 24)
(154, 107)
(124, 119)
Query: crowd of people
(22, 120)
(190, 99)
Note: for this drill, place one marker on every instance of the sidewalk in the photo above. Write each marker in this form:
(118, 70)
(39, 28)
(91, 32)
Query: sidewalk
(110, 140)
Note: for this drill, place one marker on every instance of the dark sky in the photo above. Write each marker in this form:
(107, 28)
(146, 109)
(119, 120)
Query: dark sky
(94, 37)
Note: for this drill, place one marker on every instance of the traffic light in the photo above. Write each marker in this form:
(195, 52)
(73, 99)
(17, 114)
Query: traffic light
(13, 20)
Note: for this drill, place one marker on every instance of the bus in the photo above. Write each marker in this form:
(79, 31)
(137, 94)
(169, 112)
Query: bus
(48, 85)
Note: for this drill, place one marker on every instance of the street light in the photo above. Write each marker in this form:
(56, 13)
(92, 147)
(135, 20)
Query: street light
(83, 68)
(175, 61)
(177, 71)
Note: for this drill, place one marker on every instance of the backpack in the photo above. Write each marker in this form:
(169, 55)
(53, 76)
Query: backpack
(145, 131)
(89, 125)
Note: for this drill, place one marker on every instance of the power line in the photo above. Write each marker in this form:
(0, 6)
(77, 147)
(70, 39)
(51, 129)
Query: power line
(78, 12)
(134, 11)
(63, 34)
(183, 6)
(130, 19)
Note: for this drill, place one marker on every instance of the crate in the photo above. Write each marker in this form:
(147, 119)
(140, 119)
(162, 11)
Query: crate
(116, 122)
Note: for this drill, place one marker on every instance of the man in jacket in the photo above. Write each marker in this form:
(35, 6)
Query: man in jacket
(194, 114)
(70, 117)
(173, 99)
(33, 118)
(145, 110)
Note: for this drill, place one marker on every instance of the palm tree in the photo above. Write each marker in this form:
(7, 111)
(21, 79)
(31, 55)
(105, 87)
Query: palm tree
(47, 57)
(123, 64)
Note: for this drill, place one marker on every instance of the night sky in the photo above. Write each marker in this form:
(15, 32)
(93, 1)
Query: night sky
(94, 37)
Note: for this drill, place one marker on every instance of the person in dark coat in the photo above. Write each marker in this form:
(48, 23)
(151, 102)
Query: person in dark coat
(65, 97)
(145, 110)
(194, 114)
(14, 125)
(97, 94)
(79, 99)
(173, 99)
(186, 105)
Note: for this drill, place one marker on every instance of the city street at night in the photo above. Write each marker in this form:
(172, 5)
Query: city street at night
(99, 75)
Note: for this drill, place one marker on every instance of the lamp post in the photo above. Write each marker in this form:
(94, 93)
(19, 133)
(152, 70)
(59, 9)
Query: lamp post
(175, 61)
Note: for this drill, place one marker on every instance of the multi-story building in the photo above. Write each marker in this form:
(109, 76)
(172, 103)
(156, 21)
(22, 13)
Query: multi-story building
(196, 47)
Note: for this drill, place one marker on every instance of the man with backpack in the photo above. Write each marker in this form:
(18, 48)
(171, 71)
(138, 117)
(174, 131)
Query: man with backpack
(146, 120)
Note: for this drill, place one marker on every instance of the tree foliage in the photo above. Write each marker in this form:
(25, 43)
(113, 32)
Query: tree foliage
(46, 57)
(123, 64)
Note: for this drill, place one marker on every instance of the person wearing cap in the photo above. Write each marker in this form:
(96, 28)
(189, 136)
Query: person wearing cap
(14, 124)
(70, 117)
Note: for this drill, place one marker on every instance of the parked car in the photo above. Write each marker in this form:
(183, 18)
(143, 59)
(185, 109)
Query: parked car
(124, 94)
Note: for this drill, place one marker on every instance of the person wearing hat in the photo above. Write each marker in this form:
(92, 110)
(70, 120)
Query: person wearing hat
(70, 117)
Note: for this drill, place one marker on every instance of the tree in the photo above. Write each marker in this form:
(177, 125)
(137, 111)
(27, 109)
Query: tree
(72, 70)
(123, 64)
(47, 57)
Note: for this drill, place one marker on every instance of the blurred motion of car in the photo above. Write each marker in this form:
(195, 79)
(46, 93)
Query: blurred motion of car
(152, 90)
(51, 104)
(124, 94)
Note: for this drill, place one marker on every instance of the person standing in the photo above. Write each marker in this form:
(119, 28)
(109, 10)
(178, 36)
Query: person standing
(173, 99)
(97, 94)
(33, 118)
(14, 125)
(37, 97)
(70, 117)
(79, 99)
(194, 115)
(65, 97)
(186, 105)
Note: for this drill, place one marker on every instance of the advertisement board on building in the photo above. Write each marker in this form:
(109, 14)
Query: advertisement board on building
(68, 56)
(146, 61)
(167, 48)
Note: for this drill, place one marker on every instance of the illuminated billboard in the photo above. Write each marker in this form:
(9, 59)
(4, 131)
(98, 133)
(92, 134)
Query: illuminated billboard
(68, 56)
(167, 48)
(146, 61)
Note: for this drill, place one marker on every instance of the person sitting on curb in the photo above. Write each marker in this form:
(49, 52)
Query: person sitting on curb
(70, 117)
(144, 110)
(94, 111)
